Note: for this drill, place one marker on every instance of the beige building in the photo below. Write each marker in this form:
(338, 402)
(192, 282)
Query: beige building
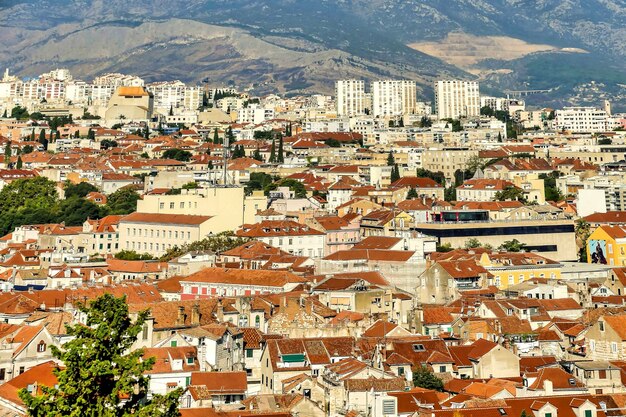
(447, 160)
(157, 233)
(130, 103)
(606, 339)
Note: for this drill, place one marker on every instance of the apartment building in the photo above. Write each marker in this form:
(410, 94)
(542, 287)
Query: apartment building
(393, 97)
(456, 98)
(350, 97)
(583, 119)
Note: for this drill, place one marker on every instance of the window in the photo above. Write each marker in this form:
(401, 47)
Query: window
(173, 343)
(249, 353)
(41, 347)
(601, 325)
(588, 413)
(401, 370)
(547, 415)
(22, 369)
(442, 368)
(171, 206)
(613, 347)
(190, 360)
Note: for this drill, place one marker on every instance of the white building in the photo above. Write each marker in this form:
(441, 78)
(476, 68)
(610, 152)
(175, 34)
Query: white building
(393, 97)
(456, 98)
(583, 119)
(350, 97)
(255, 114)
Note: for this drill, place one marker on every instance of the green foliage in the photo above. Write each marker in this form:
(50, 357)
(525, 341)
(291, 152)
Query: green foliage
(262, 134)
(472, 243)
(27, 149)
(296, 186)
(19, 162)
(78, 190)
(131, 255)
(333, 143)
(552, 193)
(177, 154)
(30, 193)
(91, 134)
(605, 141)
(391, 160)
(123, 201)
(75, 210)
(89, 116)
(192, 185)
(446, 247)
(19, 112)
(273, 152)
(424, 378)
(7, 153)
(511, 193)
(218, 243)
(395, 173)
(257, 155)
(107, 143)
(258, 181)
(412, 194)
(455, 124)
(439, 177)
(102, 376)
(216, 137)
(513, 246)
(280, 157)
(449, 194)
(425, 122)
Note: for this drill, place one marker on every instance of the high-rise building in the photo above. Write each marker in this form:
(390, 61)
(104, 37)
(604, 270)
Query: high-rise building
(456, 98)
(350, 97)
(393, 97)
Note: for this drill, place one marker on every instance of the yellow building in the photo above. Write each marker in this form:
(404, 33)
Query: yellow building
(607, 245)
(510, 268)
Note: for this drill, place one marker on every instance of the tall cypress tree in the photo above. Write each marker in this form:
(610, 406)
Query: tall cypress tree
(216, 137)
(391, 160)
(42, 135)
(19, 162)
(32, 135)
(257, 154)
(273, 152)
(281, 156)
(57, 136)
(7, 153)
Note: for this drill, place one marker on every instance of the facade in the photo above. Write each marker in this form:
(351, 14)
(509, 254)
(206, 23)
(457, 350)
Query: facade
(350, 97)
(583, 119)
(393, 98)
(455, 99)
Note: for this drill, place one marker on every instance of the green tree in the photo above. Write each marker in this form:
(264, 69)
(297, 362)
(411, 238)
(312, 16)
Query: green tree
(57, 135)
(439, 177)
(28, 193)
(75, 210)
(513, 246)
(511, 193)
(216, 137)
(230, 135)
(7, 153)
(487, 111)
(257, 155)
(273, 152)
(5, 115)
(395, 173)
(391, 160)
(412, 194)
(605, 141)
(582, 231)
(258, 181)
(78, 190)
(19, 113)
(177, 154)
(280, 157)
(472, 243)
(333, 143)
(449, 194)
(19, 163)
(131, 255)
(108, 143)
(91, 134)
(102, 376)
(446, 247)
(217, 243)
(294, 185)
(27, 149)
(424, 378)
(123, 201)
(171, 110)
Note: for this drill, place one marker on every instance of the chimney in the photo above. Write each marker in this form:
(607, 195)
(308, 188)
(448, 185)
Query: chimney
(220, 310)
(180, 320)
(547, 387)
(195, 315)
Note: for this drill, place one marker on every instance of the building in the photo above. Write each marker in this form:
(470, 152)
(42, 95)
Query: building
(455, 99)
(350, 97)
(583, 119)
(607, 245)
(130, 103)
(293, 237)
(393, 98)
(157, 233)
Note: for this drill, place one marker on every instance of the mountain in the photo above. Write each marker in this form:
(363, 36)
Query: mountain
(296, 46)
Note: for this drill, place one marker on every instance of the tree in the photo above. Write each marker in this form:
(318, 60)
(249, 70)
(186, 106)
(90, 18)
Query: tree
(424, 378)
(487, 111)
(91, 134)
(177, 154)
(216, 137)
(582, 231)
(472, 243)
(333, 143)
(131, 255)
(78, 190)
(258, 181)
(511, 193)
(217, 243)
(391, 160)
(273, 152)
(27, 149)
(171, 110)
(5, 115)
(75, 210)
(449, 194)
(123, 201)
(57, 135)
(605, 141)
(102, 376)
(19, 163)
(108, 143)
(513, 246)
(280, 158)
(257, 155)
(412, 194)
(7, 153)
(19, 113)
(439, 177)
(294, 185)
(395, 173)
(230, 135)
(499, 137)
(28, 193)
